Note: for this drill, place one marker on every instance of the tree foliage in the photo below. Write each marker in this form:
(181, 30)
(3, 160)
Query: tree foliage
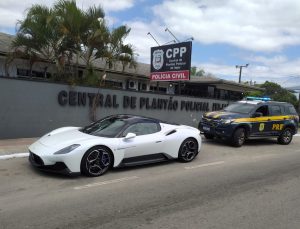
(277, 93)
(195, 72)
(63, 34)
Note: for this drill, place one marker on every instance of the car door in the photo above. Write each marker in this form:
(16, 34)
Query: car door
(262, 126)
(276, 112)
(148, 140)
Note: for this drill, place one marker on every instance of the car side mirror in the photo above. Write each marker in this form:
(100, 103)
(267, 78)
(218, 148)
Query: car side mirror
(130, 135)
(257, 114)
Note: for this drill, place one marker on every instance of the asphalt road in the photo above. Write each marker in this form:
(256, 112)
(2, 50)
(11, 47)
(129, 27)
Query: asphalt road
(256, 186)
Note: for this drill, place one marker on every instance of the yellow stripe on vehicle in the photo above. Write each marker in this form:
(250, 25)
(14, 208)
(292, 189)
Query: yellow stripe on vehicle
(211, 113)
(219, 114)
(264, 119)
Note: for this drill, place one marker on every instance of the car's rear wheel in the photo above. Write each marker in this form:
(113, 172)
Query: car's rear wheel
(208, 136)
(285, 137)
(96, 161)
(188, 150)
(239, 137)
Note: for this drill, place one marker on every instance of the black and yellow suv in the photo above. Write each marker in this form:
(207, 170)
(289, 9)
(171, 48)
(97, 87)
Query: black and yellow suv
(253, 117)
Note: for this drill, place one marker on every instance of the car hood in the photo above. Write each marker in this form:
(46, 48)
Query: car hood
(224, 115)
(66, 137)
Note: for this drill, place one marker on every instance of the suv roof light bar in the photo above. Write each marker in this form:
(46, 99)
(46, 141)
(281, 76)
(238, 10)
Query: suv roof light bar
(253, 98)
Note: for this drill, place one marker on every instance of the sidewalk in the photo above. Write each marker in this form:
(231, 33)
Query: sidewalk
(10, 146)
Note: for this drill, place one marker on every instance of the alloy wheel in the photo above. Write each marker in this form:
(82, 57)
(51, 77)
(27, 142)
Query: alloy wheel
(97, 162)
(188, 150)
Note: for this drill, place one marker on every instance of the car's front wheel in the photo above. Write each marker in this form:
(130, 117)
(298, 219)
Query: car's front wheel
(96, 161)
(238, 137)
(188, 150)
(285, 137)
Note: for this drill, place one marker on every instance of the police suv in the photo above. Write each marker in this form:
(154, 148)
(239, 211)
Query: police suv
(251, 118)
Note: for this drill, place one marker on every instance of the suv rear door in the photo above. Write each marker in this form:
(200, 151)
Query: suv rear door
(277, 113)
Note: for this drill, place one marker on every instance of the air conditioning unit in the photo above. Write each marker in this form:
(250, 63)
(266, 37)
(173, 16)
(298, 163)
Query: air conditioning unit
(132, 84)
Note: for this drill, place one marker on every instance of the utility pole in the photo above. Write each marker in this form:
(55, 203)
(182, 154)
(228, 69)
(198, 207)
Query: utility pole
(240, 67)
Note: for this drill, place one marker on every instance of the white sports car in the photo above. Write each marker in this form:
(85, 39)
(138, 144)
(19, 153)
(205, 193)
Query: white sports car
(118, 140)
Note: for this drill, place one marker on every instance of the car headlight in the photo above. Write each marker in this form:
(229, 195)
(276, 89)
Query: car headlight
(226, 121)
(67, 149)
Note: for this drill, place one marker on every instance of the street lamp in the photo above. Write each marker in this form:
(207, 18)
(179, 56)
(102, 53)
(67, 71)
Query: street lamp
(240, 67)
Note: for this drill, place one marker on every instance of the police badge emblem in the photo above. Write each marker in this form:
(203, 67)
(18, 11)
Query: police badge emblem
(261, 126)
(158, 59)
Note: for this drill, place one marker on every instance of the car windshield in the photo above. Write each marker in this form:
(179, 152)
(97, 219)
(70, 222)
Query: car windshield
(243, 108)
(108, 127)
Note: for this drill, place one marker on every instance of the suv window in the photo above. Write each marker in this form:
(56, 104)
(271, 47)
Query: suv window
(290, 110)
(142, 128)
(275, 110)
(264, 110)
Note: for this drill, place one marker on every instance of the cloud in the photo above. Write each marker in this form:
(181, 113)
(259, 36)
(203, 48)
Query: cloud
(11, 11)
(278, 69)
(251, 26)
(254, 25)
(111, 5)
(266, 26)
(142, 41)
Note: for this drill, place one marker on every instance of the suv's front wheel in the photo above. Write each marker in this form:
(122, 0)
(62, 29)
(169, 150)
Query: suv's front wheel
(238, 137)
(285, 137)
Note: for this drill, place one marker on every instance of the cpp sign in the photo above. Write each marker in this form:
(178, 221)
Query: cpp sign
(171, 60)
(174, 52)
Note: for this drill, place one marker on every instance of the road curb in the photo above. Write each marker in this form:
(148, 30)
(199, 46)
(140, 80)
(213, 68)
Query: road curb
(14, 155)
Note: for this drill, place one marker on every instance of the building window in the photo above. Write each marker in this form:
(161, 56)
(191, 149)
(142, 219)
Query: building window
(113, 84)
(210, 91)
(22, 72)
(36, 74)
(80, 74)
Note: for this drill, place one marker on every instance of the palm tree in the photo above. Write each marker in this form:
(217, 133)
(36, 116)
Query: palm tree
(115, 51)
(59, 33)
(35, 36)
(45, 32)
(95, 37)
(69, 18)
(82, 28)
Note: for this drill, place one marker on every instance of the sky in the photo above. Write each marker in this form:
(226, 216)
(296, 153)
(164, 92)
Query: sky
(262, 33)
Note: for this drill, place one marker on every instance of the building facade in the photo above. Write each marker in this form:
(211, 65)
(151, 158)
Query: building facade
(32, 104)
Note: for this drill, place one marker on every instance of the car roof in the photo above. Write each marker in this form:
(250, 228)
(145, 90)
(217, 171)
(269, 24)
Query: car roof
(257, 102)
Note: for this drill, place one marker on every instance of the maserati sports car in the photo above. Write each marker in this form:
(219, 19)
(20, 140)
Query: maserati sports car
(114, 141)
